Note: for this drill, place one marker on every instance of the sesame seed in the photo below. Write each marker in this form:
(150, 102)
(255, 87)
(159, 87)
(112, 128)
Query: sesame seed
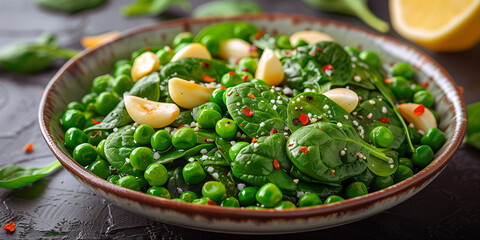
(357, 78)
(384, 109)
(372, 102)
(339, 124)
(203, 151)
(369, 116)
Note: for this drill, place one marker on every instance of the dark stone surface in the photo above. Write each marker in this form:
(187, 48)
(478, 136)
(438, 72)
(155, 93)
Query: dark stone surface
(60, 207)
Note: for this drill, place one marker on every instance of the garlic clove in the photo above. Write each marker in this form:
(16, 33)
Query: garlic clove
(155, 114)
(269, 68)
(188, 94)
(236, 48)
(192, 50)
(310, 37)
(144, 64)
(345, 98)
(423, 121)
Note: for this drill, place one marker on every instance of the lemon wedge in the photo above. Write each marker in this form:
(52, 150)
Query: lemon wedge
(441, 25)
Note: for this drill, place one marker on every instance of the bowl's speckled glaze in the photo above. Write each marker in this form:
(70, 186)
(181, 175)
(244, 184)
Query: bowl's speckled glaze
(75, 78)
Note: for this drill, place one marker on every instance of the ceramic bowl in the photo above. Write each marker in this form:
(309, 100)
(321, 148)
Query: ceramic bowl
(75, 77)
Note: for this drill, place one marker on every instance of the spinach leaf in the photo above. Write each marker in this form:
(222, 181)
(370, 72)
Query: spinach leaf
(194, 69)
(35, 56)
(206, 136)
(118, 147)
(219, 169)
(382, 168)
(152, 7)
(362, 76)
(257, 109)
(263, 162)
(322, 189)
(227, 30)
(473, 128)
(226, 8)
(69, 6)
(176, 184)
(146, 87)
(184, 118)
(223, 147)
(15, 177)
(175, 154)
(268, 41)
(329, 152)
(311, 107)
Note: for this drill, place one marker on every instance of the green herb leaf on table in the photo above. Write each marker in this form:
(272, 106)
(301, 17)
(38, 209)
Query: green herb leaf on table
(473, 128)
(15, 177)
(226, 8)
(69, 6)
(152, 7)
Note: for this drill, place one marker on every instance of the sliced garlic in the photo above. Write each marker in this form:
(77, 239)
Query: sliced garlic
(155, 114)
(188, 94)
(192, 50)
(269, 68)
(310, 37)
(422, 122)
(345, 98)
(236, 48)
(144, 64)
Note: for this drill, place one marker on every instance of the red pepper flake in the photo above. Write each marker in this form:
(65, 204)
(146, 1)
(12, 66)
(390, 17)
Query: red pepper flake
(95, 147)
(148, 48)
(230, 93)
(254, 140)
(327, 67)
(223, 88)
(210, 202)
(258, 35)
(204, 139)
(207, 78)
(303, 118)
(287, 53)
(424, 84)
(245, 77)
(10, 227)
(312, 54)
(304, 150)
(206, 64)
(28, 147)
(248, 111)
(276, 165)
(95, 121)
(252, 48)
(290, 144)
(220, 149)
(319, 50)
(419, 110)
(359, 99)
(250, 95)
(231, 73)
(273, 131)
(384, 120)
(171, 50)
(387, 80)
(245, 69)
(332, 172)
(241, 125)
(181, 126)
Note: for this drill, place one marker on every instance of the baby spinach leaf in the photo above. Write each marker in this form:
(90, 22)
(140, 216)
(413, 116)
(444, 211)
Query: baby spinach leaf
(184, 118)
(194, 69)
(175, 183)
(228, 30)
(15, 177)
(226, 8)
(310, 107)
(256, 164)
(223, 147)
(69, 6)
(329, 152)
(219, 169)
(147, 87)
(257, 109)
(322, 189)
(175, 154)
(118, 147)
(268, 41)
(362, 76)
(382, 168)
(152, 7)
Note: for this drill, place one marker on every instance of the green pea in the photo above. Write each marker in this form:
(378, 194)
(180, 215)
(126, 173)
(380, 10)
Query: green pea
(402, 173)
(76, 105)
(231, 79)
(95, 137)
(101, 83)
(401, 88)
(121, 84)
(212, 44)
(269, 195)
(156, 174)
(143, 134)
(164, 56)
(309, 199)
(101, 168)
(284, 205)
(333, 198)
(178, 200)
(201, 201)
(193, 173)
(184, 138)
(248, 64)
(89, 98)
(217, 97)
(380, 183)
(159, 192)
(284, 42)
(230, 202)
(352, 51)
(300, 43)
(123, 70)
(113, 178)
(188, 196)
(433, 138)
(214, 190)
(207, 105)
(74, 137)
(422, 156)
(161, 140)
(73, 118)
(424, 97)
(207, 118)
(183, 37)
(236, 148)
(247, 196)
(356, 189)
(129, 182)
(101, 149)
(406, 162)
(226, 128)
(414, 135)
(381, 137)
(402, 69)
(370, 58)
(141, 157)
(84, 154)
(106, 102)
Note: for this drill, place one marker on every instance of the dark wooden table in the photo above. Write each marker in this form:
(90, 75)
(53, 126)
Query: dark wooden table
(60, 207)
